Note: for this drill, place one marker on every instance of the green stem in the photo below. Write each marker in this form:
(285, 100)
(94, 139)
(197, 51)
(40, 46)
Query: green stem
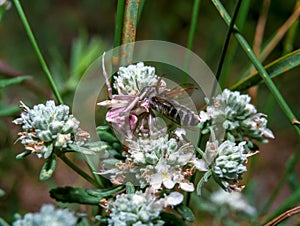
(191, 37)
(142, 3)
(259, 67)
(118, 32)
(193, 27)
(226, 44)
(119, 23)
(240, 21)
(92, 169)
(77, 169)
(37, 50)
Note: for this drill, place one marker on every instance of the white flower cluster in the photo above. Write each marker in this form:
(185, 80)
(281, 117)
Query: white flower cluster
(48, 216)
(46, 127)
(237, 116)
(134, 78)
(140, 209)
(164, 163)
(158, 162)
(227, 162)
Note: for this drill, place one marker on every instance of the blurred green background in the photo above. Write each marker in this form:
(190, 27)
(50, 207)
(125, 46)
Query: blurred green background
(71, 34)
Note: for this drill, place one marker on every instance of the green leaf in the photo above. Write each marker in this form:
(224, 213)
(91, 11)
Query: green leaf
(101, 219)
(274, 69)
(9, 110)
(82, 196)
(185, 212)
(90, 148)
(2, 11)
(3, 222)
(48, 168)
(202, 181)
(23, 154)
(12, 81)
(130, 188)
(171, 220)
(105, 135)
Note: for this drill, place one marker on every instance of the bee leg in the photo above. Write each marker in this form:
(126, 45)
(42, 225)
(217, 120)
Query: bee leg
(109, 89)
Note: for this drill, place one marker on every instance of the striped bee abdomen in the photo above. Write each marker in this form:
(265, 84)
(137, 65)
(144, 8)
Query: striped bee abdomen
(174, 111)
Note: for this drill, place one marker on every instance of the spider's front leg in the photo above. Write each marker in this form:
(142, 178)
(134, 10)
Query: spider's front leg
(107, 82)
(154, 123)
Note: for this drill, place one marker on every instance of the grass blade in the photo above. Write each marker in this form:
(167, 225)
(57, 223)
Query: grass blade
(12, 81)
(259, 67)
(277, 67)
(37, 50)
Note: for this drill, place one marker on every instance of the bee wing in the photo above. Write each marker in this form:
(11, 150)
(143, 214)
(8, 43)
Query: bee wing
(176, 92)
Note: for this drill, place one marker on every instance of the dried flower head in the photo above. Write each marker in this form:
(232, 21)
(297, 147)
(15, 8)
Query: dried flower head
(48, 215)
(46, 127)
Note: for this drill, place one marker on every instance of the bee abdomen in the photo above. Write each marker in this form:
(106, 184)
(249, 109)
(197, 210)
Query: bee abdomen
(176, 112)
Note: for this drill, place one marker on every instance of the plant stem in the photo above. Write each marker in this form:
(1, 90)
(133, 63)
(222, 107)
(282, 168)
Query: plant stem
(193, 26)
(92, 169)
(118, 31)
(259, 67)
(77, 169)
(275, 68)
(129, 30)
(240, 21)
(37, 50)
(192, 32)
(260, 27)
(280, 33)
(226, 44)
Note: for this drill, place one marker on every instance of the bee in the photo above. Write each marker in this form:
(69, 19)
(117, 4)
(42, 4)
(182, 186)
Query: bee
(130, 113)
(165, 103)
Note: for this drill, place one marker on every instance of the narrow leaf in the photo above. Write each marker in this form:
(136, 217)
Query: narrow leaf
(101, 219)
(12, 81)
(48, 168)
(3, 222)
(23, 154)
(185, 212)
(90, 148)
(82, 196)
(202, 181)
(274, 69)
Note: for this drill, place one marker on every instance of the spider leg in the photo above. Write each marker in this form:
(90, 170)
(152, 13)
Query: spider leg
(151, 127)
(109, 89)
(130, 106)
